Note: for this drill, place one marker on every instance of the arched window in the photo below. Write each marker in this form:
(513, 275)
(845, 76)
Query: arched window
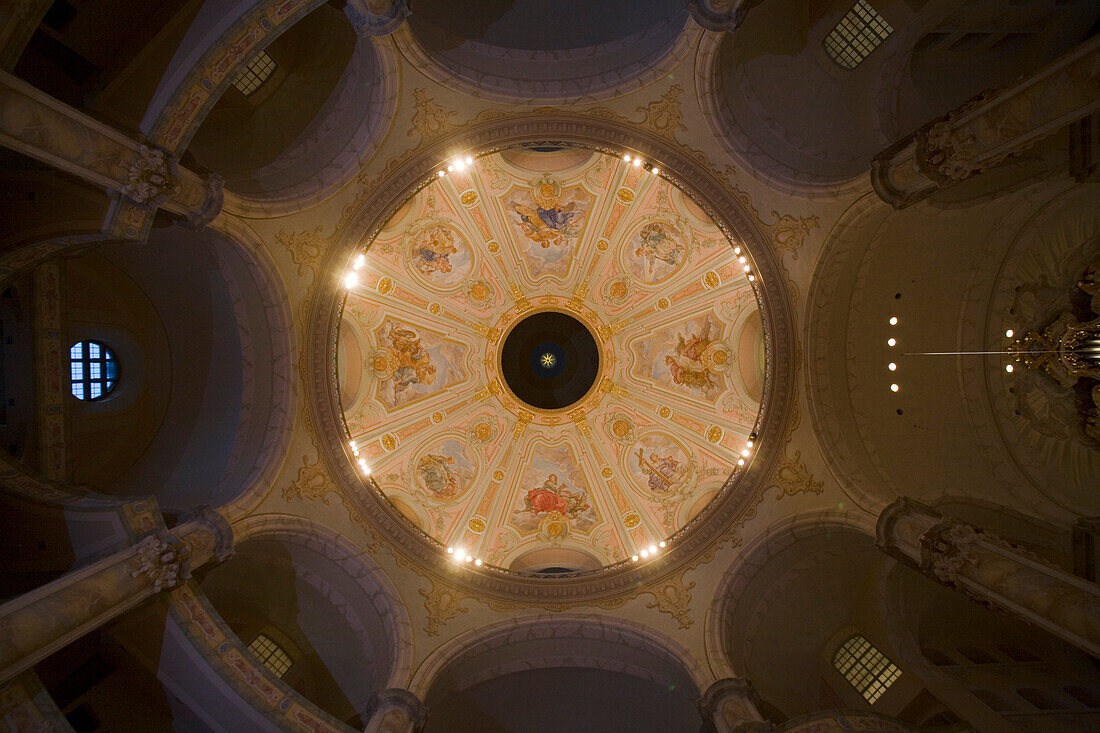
(858, 33)
(865, 668)
(271, 654)
(92, 370)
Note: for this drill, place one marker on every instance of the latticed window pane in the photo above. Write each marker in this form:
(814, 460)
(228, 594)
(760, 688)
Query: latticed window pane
(255, 73)
(271, 654)
(92, 370)
(865, 667)
(858, 33)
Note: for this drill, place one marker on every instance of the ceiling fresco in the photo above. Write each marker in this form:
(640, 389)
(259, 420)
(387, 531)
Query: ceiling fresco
(677, 389)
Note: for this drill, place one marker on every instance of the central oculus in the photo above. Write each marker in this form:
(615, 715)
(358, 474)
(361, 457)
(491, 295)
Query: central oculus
(550, 360)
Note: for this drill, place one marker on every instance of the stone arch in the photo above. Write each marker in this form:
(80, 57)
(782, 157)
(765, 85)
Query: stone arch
(559, 641)
(355, 589)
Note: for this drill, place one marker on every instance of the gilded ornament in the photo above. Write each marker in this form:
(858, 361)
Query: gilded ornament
(385, 286)
(435, 309)
(607, 472)
(715, 434)
(624, 196)
(632, 520)
(602, 245)
(498, 475)
(664, 412)
(711, 279)
(476, 524)
(663, 303)
(469, 198)
(388, 441)
(437, 417)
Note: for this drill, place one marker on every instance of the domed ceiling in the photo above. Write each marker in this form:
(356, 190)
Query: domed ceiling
(552, 358)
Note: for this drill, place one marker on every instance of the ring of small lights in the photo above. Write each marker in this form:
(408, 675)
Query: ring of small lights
(696, 541)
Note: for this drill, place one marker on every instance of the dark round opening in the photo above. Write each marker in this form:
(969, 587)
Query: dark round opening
(550, 360)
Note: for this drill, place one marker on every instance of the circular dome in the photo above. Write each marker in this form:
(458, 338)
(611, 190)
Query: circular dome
(550, 344)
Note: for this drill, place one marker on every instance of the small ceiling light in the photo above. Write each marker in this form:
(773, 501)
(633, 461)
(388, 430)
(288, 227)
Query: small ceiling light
(894, 388)
(634, 558)
(661, 543)
(351, 280)
(450, 550)
(450, 168)
(655, 171)
(359, 261)
(740, 461)
(1008, 333)
(460, 165)
(626, 158)
(737, 250)
(637, 162)
(752, 278)
(891, 366)
(745, 452)
(742, 259)
(366, 470)
(891, 342)
(893, 320)
(644, 553)
(653, 549)
(746, 268)
(1008, 367)
(477, 562)
(469, 160)
(749, 443)
(352, 444)
(442, 173)
(469, 558)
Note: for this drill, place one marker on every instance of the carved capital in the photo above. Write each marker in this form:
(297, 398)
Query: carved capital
(376, 17)
(717, 15)
(948, 548)
(163, 560)
(151, 177)
(395, 711)
(211, 204)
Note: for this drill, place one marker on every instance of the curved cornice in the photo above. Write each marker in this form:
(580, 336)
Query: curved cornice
(687, 169)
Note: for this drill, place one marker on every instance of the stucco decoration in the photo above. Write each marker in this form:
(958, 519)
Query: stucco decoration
(646, 272)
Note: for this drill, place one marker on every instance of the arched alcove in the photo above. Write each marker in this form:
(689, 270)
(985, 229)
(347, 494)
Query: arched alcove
(614, 673)
(313, 118)
(199, 334)
(332, 615)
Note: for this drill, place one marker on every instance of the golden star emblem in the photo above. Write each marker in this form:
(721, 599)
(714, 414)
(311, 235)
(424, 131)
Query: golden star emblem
(548, 360)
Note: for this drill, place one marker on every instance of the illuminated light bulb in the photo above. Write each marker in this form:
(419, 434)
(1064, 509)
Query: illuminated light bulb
(661, 543)
(366, 470)
(894, 388)
(644, 553)
(442, 173)
(752, 278)
(1008, 333)
(351, 280)
(477, 562)
(450, 550)
(893, 320)
(891, 342)
(637, 162)
(469, 160)
(352, 444)
(359, 261)
(748, 443)
(355, 452)
(634, 558)
(745, 453)
(1008, 367)
(891, 366)
(469, 558)
(653, 549)
(737, 250)
(626, 158)
(742, 259)
(450, 168)
(654, 171)
(460, 165)
(746, 268)
(740, 461)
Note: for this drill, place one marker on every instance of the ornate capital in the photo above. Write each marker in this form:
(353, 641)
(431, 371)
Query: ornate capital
(947, 548)
(163, 560)
(376, 17)
(211, 205)
(151, 177)
(733, 702)
(717, 15)
(395, 711)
